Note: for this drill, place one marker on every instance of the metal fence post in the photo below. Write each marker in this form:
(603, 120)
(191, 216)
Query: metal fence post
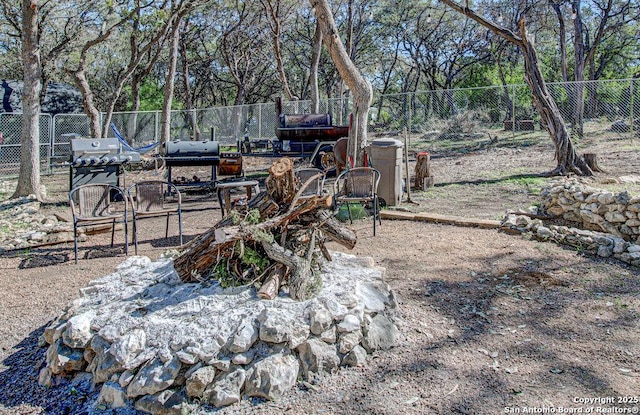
(631, 111)
(513, 111)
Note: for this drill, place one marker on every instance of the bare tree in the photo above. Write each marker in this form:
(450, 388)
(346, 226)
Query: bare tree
(179, 11)
(277, 11)
(165, 118)
(313, 69)
(29, 178)
(359, 85)
(550, 116)
(79, 73)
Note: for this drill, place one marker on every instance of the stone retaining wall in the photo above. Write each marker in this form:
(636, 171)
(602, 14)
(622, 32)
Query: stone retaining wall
(606, 223)
(593, 209)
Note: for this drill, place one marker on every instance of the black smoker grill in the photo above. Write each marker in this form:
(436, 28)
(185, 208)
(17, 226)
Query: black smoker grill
(97, 160)
(309, 127)
(192, 153)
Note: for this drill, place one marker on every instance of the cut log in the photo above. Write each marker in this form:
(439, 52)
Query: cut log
(281, 183)
(333, 229)
(271, 285)
(285, 246)
(423, 177)
(302, 281)
(203, 253)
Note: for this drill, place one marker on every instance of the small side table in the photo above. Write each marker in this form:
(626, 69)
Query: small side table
(224, 192)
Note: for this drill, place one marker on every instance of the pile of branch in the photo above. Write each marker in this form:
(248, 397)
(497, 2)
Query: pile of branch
(278, 241)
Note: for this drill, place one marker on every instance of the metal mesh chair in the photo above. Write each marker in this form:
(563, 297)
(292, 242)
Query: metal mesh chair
(316, 187)
(91, 205)
(358, 185)
(150, 198)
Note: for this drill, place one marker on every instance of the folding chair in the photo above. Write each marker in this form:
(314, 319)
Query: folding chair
(91, 205)
(316, 187)
(359, 184)
(150, 198)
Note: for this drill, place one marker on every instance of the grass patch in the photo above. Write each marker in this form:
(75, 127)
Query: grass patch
(357, 212)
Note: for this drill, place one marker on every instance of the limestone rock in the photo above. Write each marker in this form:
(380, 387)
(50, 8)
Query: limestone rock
(336, 309)
(375, 295)
(243, 358)
(350, 324)
(317, 356)
(126, 348)
(356, 357)
(78, 330)
(112, 395)
(245, 336)
(44, 377)
(348, 341)
(321, 320)
(272, 377)
(61, 358)
(223, 365)
(544, 233)
(167, 402)
(380, 333)
(54, 331)
(329, 336)
(198, 381)
(278, 326)
(153, 377)
(227, 389)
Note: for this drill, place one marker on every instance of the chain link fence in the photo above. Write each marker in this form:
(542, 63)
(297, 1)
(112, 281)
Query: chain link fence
(11, 129)
(434, 119)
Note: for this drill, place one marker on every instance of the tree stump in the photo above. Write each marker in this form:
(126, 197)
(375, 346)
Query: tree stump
(281, 183)
(592, 162)
(423, 177)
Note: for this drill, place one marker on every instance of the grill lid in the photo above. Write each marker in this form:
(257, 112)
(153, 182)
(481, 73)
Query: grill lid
(94, 146)
(99, 152)
(192, 149)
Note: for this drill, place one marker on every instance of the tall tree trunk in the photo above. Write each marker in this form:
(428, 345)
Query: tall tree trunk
(274, 11)
(313, 69)
(508, 103)
(188, 97)
(562, 43)
(80, 78)
(550, 116)
(29, 178)
(360, 87)
(577, 98)
(165, 119)
(562, 39)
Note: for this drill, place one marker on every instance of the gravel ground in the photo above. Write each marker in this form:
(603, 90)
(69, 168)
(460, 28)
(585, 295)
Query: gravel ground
(490, 321)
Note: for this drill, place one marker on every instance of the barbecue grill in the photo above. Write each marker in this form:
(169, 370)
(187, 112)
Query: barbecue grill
(309, 127)
(202, 153)
(97, 160)
(192, 153)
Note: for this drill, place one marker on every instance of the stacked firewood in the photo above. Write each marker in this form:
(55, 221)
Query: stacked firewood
(279, 241)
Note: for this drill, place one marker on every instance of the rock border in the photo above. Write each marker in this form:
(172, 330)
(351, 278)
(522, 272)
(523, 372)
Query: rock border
(154, 343)
(612, 220)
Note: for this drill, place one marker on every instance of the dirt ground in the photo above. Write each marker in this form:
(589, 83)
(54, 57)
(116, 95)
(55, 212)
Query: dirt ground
(491, 323)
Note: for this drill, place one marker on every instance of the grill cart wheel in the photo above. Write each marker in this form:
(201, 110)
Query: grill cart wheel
(325, 160)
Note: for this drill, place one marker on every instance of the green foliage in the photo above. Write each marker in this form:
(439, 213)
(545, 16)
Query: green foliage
(252, 257)
(253, 217)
